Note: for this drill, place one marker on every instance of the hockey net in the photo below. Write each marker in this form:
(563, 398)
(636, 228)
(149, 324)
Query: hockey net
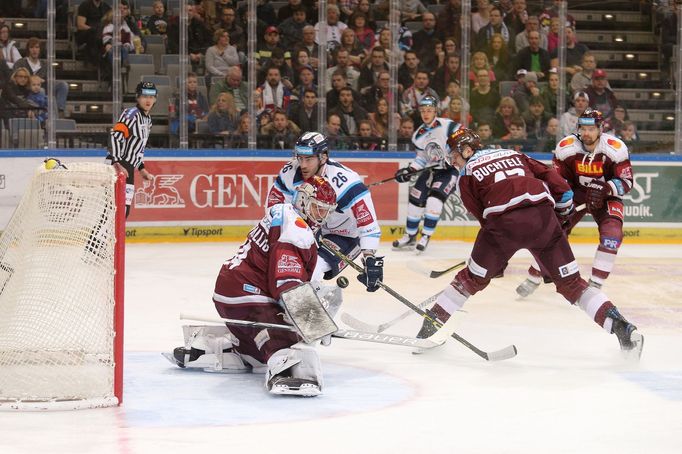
(61, 291)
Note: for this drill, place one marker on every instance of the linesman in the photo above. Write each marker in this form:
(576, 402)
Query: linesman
(129, 139)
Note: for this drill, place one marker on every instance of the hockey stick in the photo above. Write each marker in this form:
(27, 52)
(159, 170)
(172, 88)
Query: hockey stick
(359, 324)
(416, 172)
(505, 353)
(390, 339)
(435, 274)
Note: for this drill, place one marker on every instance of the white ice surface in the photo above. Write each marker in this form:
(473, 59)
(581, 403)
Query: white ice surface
(567, 391)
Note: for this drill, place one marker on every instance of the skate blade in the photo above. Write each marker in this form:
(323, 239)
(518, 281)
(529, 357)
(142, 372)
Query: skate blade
(170, 358)
(306, 390)
(635, 353)
(404, 248)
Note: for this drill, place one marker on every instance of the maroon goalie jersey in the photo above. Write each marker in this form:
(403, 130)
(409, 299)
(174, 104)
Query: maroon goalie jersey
(278, 254)
(494, 181)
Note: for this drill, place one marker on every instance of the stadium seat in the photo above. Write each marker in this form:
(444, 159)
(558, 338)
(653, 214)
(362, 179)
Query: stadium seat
(156, 47)
(202, 127)
(64, 125)
(140, 65)
(26, 133)
(170, 65)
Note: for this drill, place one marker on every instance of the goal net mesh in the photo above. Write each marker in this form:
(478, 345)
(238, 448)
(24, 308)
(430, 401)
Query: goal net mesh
(57, 290)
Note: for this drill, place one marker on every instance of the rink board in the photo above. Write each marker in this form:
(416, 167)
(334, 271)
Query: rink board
(217, 195)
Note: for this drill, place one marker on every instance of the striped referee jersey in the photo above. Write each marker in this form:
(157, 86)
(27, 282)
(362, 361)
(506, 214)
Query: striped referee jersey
(129, 137)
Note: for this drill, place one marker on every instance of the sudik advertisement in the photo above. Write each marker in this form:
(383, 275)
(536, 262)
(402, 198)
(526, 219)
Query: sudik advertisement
(234, 191)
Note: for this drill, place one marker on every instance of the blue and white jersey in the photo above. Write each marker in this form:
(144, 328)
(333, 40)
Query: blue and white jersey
(437, 132)
(354, 216)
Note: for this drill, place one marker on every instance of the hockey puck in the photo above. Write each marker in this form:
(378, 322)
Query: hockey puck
(342, 282)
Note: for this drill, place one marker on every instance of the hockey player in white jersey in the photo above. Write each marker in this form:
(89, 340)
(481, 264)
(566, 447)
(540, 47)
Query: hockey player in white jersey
(277, 258)
(352, 227)
(433, 186)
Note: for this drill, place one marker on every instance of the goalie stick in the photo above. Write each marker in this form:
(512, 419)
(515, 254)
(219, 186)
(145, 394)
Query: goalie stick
(359, 324)
(362, 336)
(505, 353)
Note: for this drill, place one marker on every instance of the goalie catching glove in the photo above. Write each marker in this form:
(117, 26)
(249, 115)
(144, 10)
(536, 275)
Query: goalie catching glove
(597, 192)
(374, 273)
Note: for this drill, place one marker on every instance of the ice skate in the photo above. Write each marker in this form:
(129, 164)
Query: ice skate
(526, 288)
(423, 243)
(183, 355)
(630, 340)
(407, 242)
(293, 386)
(427, 330)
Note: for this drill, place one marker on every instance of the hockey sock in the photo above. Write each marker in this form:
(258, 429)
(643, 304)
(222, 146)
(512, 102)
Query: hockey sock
(434, 207)
(596, 304)
(603, 263)
(448, 302)
(534, 273)
(414, 216)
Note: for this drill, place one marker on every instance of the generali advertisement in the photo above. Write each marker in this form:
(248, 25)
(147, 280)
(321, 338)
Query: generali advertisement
(233, 191)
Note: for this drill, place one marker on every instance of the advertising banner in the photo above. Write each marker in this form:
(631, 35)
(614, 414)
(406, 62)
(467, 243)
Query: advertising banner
(233, 191)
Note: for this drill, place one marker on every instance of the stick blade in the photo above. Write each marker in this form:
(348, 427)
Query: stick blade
(358, 324)
(500, 355)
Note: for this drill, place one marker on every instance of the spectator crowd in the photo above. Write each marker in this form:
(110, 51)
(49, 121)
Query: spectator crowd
(513, 75)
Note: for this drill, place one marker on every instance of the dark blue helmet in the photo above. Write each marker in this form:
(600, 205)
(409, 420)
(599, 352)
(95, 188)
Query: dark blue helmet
(146, 89)
(429, 101)
(311, 144)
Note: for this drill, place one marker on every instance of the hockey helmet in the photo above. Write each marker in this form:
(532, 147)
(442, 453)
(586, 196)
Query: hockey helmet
(458, 139)
(146, 89)
(591, 117)
(315, 200)
(311, 144)
(428, 101)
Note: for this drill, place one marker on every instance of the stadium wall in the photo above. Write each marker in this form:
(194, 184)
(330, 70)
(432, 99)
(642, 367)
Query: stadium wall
(217, 195)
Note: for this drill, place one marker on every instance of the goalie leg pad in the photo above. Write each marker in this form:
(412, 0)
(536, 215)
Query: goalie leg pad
(294, 371)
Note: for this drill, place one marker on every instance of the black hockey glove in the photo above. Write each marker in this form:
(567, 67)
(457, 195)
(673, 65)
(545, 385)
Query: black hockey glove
(597, 191)
(563, 211)
(374, 273)
(403, 175)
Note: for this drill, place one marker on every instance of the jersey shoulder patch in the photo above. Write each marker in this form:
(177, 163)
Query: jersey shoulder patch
(294, 229)
(567, 146)
(613, 147)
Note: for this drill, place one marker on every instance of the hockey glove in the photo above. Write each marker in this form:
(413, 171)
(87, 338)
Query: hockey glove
(565, 208)
(374, 273)
(403, 175)
(597, 191)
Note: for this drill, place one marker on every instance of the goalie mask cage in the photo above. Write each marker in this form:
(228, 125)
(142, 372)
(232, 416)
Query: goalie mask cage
(61, 292)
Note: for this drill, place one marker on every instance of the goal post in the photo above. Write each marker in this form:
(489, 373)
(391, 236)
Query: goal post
(61, 291)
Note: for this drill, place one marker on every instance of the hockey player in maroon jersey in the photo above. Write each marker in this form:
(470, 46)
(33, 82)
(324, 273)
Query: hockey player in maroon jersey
(597, 167)
(279, 254)
(518, 201)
